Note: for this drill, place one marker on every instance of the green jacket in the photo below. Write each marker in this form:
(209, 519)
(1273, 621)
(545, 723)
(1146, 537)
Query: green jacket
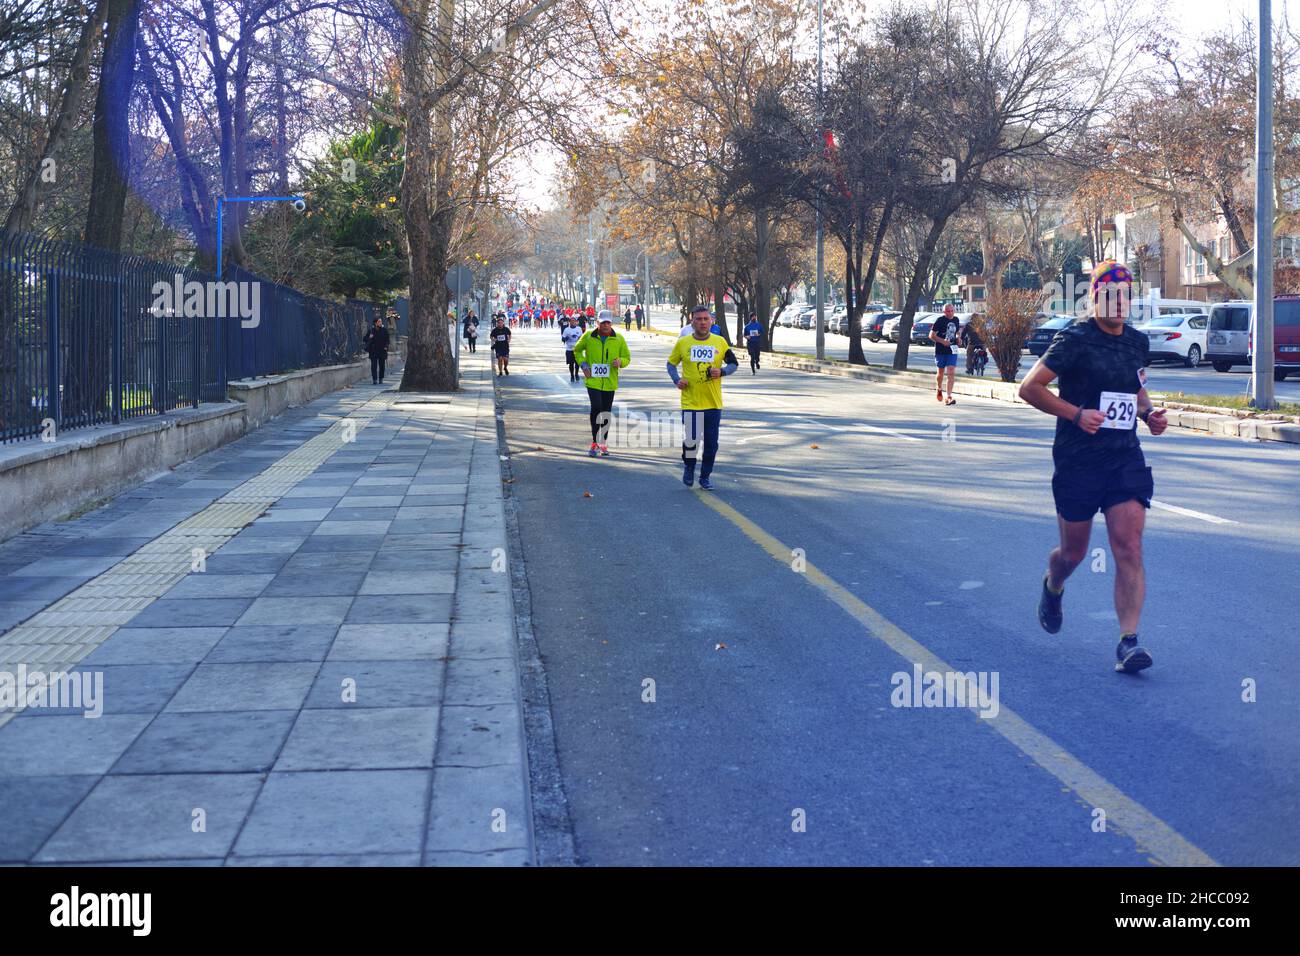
(592, 350)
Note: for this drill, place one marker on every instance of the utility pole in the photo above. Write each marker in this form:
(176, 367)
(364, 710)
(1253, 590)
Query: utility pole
(821, 261)
(1262, 364)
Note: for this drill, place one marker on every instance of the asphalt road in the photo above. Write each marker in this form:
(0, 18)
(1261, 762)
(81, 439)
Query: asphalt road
(772, 683)
(1164, 376)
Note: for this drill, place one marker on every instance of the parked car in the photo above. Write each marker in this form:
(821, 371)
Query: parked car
(1180, 337)
(1142, 311)
(921, 326)
(889, 329)
(873, 324)
(1225, 338)
(1228, 334)
(1043, 335)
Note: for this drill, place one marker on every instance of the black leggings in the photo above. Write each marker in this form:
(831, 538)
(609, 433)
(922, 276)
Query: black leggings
(602, 403)
(377, 361)
(573, 365)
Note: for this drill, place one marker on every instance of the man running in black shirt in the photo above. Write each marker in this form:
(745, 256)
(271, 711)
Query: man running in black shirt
(1101, 364)
(944, 336)
(500, 338)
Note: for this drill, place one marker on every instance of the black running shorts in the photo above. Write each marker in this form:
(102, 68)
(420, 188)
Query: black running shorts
(1081, 491)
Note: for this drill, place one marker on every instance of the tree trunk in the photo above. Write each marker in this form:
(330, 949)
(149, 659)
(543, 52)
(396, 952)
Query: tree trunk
(23, 214)
(763, 235)
(111, 158)
(429, 362)
(914, 289)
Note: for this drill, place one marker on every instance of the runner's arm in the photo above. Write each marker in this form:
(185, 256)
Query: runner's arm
(1034, 390)
(729, 362)
(1147, 411)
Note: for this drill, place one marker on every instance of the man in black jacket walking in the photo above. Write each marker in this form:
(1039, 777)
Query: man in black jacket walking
(376, 343)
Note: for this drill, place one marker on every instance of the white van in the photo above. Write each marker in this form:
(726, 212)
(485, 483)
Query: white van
(1228, 339)
(1142, 311)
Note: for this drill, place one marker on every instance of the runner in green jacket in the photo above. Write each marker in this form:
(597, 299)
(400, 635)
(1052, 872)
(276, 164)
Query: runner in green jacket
(600, 353)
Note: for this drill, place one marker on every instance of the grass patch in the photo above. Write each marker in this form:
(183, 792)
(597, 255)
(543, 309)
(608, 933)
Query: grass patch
(1238, 402)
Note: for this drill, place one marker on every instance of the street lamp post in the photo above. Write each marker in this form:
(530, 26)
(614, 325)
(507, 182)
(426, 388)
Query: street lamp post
(821, 261)
(299, 202)
(1262, 362)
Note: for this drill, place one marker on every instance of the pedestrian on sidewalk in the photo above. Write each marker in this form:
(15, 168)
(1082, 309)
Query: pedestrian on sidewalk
(627, 320)
(754, 342)
(704, 359)
(600, 354)
(501, 347)
(375, 343)
(471, 332)
(640, 316)
(944, 336)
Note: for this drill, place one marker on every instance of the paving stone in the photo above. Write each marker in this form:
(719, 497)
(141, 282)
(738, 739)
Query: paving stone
(363, 514)
(294, 514)
(120, 689)
(261, 528)
(317, 812)
(104, 547)
(273, 642)
(151, 817)
(360, 859)
(21, 588)
(251, 686)
(370, 502)
(411, 559)
(480, 736)
(66, 746)
(225, 562)
(467, 801)
(421, 542)
(296, 610)
(490, 858)
(192, 612)
(390, 738)
(32, 808)
(400, 608)
(421, 526)
(351, 528)
(488, 681)
(409, 581)
(262, 545)
(201, 584)
(319, 543)
(245, 741)
(66, 567)
(155, 645)
(316, 583)
(13, 613)
(389, 642)
(377, 684)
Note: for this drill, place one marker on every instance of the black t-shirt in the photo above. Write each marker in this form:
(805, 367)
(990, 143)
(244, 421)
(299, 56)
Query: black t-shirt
(1092, 365)
(942, 331)
(500, 338)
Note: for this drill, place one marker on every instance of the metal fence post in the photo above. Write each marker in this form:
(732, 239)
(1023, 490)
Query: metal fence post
(53, 406)
(116, 362)
(160, 386)
(196, 333)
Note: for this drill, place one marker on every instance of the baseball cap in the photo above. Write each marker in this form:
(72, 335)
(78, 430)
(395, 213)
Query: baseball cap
(605, 316)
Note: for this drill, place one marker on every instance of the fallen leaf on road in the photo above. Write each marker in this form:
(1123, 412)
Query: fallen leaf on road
(814, 446)
(720, 647)
(507, 481)
(588, 494)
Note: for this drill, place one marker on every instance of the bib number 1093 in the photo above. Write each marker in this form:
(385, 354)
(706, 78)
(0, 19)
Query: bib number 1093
(1120, 409)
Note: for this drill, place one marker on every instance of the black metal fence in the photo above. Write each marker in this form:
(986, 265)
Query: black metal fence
(89, 337)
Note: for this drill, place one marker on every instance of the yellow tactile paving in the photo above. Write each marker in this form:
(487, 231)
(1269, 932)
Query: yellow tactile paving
(64, 633)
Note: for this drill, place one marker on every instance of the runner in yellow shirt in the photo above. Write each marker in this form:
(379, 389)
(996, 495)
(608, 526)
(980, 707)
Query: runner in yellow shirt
(704, 358)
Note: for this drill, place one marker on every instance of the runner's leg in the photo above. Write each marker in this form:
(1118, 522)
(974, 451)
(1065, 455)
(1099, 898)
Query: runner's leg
(1124, 524)
(1073, 548)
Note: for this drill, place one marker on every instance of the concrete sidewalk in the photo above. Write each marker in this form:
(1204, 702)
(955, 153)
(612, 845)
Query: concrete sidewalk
(306, 646)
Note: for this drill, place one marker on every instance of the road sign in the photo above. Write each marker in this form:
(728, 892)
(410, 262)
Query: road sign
(459, 276)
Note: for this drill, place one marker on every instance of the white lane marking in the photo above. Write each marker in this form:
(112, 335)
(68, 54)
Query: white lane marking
(1213, 519)
(888, 431)
(971, 585)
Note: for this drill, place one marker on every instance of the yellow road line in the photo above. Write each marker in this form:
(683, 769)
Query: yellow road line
(1164, 845)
